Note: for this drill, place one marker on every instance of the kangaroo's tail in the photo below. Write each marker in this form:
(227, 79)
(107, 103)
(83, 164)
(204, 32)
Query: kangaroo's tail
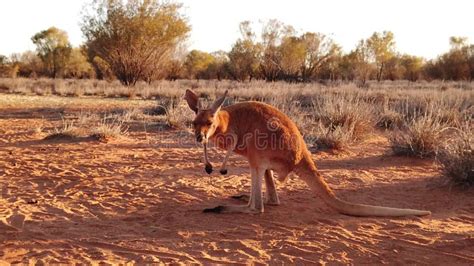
(306, 169)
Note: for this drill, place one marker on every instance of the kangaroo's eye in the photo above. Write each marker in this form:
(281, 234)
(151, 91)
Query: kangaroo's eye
(209, 123)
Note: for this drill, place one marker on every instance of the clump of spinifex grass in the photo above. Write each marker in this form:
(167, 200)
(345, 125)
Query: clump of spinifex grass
(456, 156)
(421, 137)
(67, 131)
(334, 138)
(177, 113)
(389, 119)
(340, 121)
(108, 129)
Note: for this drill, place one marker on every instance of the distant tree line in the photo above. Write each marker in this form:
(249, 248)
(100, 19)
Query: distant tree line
(144, 40)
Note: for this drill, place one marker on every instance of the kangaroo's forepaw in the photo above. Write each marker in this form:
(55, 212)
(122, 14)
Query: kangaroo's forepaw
(208, 168)
(217, 209)
(223, 171)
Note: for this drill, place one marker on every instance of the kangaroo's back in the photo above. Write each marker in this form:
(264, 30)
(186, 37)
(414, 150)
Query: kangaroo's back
(263, 129)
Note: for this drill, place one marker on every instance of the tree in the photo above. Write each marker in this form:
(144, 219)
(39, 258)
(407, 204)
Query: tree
(137, 39)
(4, 66)
(346, 67)
(382, 48)
(30, 64)
(433, 70)
(293, 54)
(102, 69)
(360, 59)
(53, 47)
(3, 60)
(470, 52)
(197, 64)
(245, 54)
(319, 50)
(219, 68)
(457, 43)
(244, 60)
(273, 33)
(393, 69)
(457, 64)
(331, 69)
(412, 67)
(78, 66)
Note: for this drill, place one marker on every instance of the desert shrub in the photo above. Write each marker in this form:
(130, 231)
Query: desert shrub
(333, 138)
(130, 115)
(58, 88)
(421, 137)
(456, 156)
(66, 131)
(109, 128)
(292, 108)
(84, 119)
(389, 119)
(178, 114)
(339, 120)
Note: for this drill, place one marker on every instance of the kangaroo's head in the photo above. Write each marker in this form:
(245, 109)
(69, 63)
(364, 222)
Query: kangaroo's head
(206, 121)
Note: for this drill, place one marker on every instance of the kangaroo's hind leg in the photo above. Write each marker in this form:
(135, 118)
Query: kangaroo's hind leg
(271, 197)
(255, 204)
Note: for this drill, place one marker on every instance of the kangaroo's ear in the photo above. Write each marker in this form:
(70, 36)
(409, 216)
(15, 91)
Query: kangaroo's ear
(192, 99)
(218, 103)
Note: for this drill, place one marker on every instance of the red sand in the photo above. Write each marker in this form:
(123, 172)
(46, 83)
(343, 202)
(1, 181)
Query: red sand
(140, 200)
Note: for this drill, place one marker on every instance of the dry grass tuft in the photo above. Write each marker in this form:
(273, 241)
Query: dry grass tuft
(178, 114)
(390, 119)
(90, 125)
(457, 156)
(420, 138)
(340, 121)
(109, 128)
(333, 138)
(67, 131)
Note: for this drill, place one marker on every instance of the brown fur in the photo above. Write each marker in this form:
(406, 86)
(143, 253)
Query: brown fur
(272, 142)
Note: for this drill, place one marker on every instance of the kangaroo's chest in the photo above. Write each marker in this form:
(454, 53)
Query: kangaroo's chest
(227, 141)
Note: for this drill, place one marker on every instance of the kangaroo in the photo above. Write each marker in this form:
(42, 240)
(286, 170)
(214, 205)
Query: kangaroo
(271, 142)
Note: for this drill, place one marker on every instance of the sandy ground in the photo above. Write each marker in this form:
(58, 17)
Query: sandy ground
(140, 199)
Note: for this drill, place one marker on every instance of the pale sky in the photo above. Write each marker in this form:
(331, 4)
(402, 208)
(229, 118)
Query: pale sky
(421, 27)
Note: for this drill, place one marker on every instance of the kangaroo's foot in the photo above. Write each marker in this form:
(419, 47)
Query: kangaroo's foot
(271, 201)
